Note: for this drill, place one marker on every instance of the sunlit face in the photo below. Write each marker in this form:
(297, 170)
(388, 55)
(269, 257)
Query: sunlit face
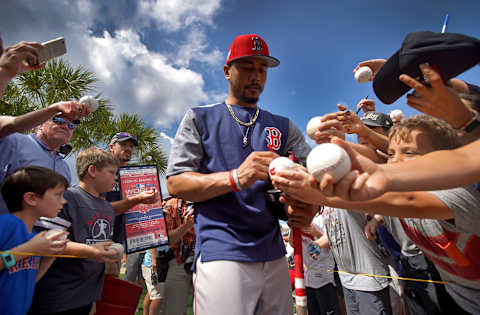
(52, 201)
(105, 178)
(418, 144)
(54, 132)
(123, 151)
(247, 78)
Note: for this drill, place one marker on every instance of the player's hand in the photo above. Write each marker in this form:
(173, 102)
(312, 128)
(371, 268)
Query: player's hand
(72, 110)
(367, 105)
(374, 64)
(42, 244)
(300, 214)
(13, 60)
(371, 229)
(255, 167)
(365, 181)
(298, 184)
(147, 197)
(437, 101)
(103, 254)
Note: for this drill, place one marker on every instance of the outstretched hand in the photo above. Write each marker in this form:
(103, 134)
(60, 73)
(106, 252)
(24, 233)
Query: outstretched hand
(365, 181)
(438, 100)
(374, 64)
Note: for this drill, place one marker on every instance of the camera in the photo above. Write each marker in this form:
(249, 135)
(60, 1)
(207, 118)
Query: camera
(188, 252)
(273, 203)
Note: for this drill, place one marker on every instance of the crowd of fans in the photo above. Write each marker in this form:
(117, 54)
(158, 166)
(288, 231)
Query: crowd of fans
(396, 235)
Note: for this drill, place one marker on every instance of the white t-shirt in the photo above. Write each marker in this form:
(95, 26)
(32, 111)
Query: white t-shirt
(317, 261)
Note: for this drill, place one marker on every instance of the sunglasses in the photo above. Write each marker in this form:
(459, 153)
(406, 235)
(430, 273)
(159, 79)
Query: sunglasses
(61, 121)
(126, 134)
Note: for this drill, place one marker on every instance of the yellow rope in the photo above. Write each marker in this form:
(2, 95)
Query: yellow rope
(381, 276)
(35, 254)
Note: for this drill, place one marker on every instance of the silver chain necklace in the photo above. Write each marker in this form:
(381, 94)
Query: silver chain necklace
(239, 122)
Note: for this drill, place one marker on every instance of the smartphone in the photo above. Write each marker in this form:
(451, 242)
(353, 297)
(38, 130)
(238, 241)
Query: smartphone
(52, 49)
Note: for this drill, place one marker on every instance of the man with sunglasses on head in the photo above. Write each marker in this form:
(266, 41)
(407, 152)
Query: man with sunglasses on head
(41, 148)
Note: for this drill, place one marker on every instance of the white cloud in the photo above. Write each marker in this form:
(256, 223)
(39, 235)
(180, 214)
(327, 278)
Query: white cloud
(174, 15)
(195, 48)
(158, 85)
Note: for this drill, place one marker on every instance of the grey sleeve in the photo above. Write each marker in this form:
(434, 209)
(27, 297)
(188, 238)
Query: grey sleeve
(464, 203)
(187, 151)
(296, 143)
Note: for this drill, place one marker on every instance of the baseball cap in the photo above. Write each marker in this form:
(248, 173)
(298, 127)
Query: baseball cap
(124, 136)
(448, 53)
(250, 45)
(377, 119)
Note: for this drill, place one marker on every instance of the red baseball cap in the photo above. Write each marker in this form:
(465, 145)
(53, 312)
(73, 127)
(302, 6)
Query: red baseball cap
(250, 45)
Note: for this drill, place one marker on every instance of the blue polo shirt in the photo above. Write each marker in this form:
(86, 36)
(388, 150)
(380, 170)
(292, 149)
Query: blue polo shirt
(19, 150)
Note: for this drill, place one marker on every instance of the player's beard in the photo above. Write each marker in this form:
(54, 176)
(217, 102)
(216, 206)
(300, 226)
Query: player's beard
(242, 97)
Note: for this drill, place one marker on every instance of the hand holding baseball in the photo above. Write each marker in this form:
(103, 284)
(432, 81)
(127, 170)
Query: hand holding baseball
(373, 64)
(71, 110)
(365, 181)
(102, 254)
(43, 244)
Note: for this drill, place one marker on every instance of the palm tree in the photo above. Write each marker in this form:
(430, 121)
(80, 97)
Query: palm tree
(59, 81)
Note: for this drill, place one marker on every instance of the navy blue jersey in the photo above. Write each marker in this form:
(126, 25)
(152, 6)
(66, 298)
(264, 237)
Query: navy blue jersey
(235, 226)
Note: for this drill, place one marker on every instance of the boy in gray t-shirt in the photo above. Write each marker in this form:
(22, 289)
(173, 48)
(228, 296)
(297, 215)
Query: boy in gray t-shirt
(355, 254)
(72, 285)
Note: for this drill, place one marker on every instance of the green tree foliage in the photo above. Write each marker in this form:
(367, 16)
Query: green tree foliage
(59, 81)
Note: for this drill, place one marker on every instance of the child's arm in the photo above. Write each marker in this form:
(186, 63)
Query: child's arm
(45, 263)
(37, 246)
(145, 197)
(98, 252)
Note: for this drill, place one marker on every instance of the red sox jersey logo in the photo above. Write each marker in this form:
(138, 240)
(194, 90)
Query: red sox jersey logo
(274, 138)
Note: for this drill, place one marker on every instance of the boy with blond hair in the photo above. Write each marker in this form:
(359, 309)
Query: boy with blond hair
(29, 193)
(71, 286)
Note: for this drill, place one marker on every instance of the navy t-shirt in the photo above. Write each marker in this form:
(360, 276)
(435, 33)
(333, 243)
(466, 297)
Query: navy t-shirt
(17, 283)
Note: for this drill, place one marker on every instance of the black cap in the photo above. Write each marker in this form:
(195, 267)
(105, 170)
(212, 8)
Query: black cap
(449, 53)
(377, 119)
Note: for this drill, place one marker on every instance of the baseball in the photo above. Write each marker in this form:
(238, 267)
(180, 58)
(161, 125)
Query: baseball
(117, 247)
(328, 157)
(363, 74)
(396, 114)
(90, 102)
(313, 125)
(54, 232)
(280, 163)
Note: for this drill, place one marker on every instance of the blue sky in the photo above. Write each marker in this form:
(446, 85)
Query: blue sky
(158, 58)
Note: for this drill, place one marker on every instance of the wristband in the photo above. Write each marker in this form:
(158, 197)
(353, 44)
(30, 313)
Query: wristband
(234, 182)
(237, 181)
(233, 185)
(8, 260)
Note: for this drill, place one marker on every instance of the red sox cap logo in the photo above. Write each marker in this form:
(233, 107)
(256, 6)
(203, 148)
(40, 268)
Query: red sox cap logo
(257, 44)
(273, 138)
